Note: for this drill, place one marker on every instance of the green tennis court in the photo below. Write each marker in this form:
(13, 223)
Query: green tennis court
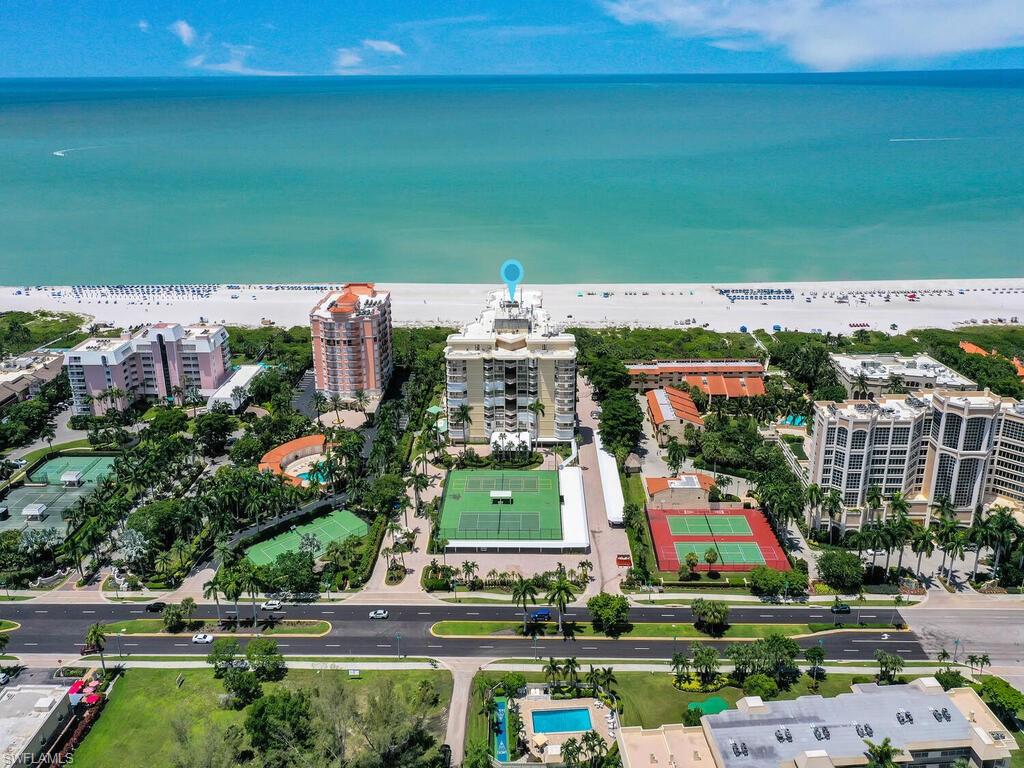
(491, 504)
(337, 526)
(93, 468)
(729, 552)
(699, 525)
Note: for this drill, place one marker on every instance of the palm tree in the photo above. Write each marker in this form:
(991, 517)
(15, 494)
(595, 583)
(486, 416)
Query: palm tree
(873, 497)
(96, 638)
(814, 496)
(882, 755)
(560, 595)
(320, 403)
(360, 400)
(922, 542)
(537, 409)
(469, 569)
(595, 747)
(955, 547)
(552, 670)
(571, 668)
(860, 386)
(572, 752)
(463, 417)
(593, 678)
(418, 482)
(675, 455)
(832, 505)
(212, 589)
(524, 590)
(336, 402)
(680, 664)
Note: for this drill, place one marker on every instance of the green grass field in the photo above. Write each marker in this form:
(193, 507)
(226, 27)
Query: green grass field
(134, 727)
(337, 526)
(151, 626)
(531, 512)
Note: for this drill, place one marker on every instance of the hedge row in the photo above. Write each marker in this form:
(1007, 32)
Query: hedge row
(374, 539)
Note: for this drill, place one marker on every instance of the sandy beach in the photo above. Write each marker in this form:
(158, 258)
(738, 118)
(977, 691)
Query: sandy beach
(822, 306)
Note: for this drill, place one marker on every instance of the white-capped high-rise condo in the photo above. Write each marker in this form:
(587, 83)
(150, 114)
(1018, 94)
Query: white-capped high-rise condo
(505, 362)
(964, 446)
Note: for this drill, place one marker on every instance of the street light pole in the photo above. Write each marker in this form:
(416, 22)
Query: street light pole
(398, 638)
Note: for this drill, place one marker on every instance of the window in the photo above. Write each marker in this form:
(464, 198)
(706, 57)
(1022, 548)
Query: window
(859, 439)
(879, 435)
(853, 480)
(944, 477)
(969, 469)
(975, 433)
(951, 430)
(841, 434)
(1013, 430)
(936, 419)
(857, 461)
(901, 435)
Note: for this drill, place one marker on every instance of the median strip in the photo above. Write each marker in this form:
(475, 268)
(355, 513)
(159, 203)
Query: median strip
(155, 628)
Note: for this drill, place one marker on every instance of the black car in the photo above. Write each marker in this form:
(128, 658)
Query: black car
(156, 607)
(840, 608)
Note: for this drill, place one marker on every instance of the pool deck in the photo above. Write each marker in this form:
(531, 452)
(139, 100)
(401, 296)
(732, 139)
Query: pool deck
(530, 704)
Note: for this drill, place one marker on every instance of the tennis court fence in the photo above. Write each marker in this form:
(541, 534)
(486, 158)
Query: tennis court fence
(453, 533)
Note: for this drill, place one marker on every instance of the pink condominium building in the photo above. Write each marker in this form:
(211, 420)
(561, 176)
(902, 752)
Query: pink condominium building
(352, 341)
(158, 362)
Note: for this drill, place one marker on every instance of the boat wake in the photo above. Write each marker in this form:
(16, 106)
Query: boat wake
(63, 152)
(935, 138)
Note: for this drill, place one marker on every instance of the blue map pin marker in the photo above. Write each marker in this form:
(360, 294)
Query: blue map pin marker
(512, 274)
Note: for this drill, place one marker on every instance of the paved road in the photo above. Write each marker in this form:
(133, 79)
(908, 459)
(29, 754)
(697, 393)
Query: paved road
(60, 629)
(997, 631)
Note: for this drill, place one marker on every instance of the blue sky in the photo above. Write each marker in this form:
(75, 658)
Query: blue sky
(51, 38)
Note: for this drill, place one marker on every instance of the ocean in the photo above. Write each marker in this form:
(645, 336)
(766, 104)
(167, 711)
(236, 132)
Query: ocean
(587, 179)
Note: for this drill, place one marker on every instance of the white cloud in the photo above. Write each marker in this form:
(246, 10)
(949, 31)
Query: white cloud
(346, 59)
(184, 32)
(142, 25)
(837, 34)
(236, 63)
(384, 46)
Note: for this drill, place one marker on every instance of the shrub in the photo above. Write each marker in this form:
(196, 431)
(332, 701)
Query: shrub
(950, 678)
(841, 570)
(692, 684)
(761, 685)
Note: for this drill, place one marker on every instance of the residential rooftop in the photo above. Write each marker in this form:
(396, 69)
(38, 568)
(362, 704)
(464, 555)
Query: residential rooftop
(919, 369)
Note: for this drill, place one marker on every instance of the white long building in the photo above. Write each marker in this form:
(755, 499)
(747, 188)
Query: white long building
(506, 360)
(967, 446)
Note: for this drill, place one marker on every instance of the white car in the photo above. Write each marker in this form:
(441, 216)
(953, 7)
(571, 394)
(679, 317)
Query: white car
(202, 639)
(18, 462)
(380, 613)
(271, 605)
(4, 679)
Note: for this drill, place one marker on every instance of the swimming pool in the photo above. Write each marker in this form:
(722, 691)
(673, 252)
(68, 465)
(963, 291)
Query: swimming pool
(561, 720)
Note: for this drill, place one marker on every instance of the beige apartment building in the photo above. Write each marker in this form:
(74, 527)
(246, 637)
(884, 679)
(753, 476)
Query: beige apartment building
(930, 727)
(967, 446)
(509, 358)
(351, 331)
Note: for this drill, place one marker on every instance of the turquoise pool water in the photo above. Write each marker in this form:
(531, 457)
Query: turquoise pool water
(501, 733)
(318, 475)
(561, 721)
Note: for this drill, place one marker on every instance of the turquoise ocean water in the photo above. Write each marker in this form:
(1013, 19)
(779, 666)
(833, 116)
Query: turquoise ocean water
(583, 179)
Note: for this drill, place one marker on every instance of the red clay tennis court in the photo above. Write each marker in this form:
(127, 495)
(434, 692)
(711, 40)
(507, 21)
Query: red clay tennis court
(741, 537)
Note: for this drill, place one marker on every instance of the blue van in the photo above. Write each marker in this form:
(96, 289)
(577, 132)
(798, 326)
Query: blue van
(540, 614)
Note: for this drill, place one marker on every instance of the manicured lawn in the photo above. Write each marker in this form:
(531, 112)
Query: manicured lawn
(646, 629)
(149, 626)
(13, 598)
(6, 625)
(134, 728)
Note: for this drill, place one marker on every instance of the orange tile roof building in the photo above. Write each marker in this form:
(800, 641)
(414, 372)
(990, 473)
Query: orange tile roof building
(716, 378)
(973, 349)
(352, 349)
(670, 410)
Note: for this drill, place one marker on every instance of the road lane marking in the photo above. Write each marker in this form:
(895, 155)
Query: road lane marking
(381, 645)
(867, 616)
(668, 615)
(849, 650)
(641, 648)
(134, 611)
(42, 611)
(327, 613)
(422, 613)
(589, 648)
(815, 615)
(130, 645)
(435, 646)
(878, 641)
(88, 611)
(182, 645)
(282, 645)
(904, 650)
(30, 643)
(486, 646)
(473, 613)
(764, 615)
